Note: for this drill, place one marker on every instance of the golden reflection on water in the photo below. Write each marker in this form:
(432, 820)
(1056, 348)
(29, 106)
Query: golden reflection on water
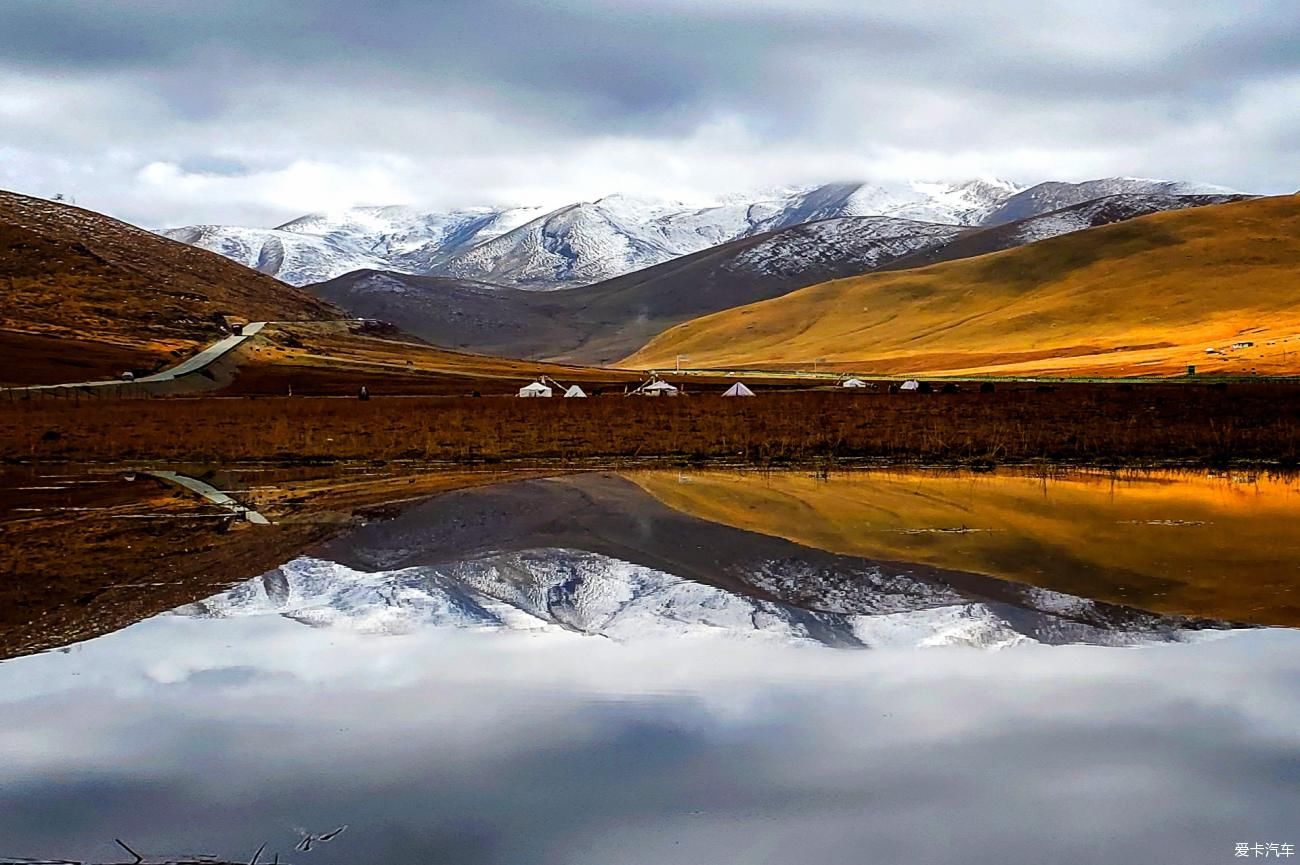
(1218, 545)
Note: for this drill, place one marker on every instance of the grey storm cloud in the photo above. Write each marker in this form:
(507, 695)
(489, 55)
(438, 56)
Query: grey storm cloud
(613, 65)
(1207, 89)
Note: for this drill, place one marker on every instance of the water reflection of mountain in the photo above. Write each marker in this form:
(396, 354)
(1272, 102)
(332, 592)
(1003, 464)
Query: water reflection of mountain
(1182, 543)
(595, 553)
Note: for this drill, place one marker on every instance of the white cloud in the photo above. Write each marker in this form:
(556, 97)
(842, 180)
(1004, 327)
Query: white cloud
(255, 117)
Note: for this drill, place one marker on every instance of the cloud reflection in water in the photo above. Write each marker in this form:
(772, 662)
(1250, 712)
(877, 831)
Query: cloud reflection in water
(551, 747)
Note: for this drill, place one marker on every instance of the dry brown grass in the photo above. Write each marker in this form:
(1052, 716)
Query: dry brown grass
(1140, 297)
(1075, 423)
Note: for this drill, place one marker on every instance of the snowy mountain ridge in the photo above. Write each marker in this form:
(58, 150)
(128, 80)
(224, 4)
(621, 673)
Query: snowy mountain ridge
(587, 242)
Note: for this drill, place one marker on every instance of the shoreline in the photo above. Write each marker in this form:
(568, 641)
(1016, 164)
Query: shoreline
(1170, 426)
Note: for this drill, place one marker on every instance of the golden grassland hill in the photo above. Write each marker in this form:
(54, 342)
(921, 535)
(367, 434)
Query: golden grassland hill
(1147, 296)
(1218, 546)
(604, 321)
(338, 358)
(85, 295)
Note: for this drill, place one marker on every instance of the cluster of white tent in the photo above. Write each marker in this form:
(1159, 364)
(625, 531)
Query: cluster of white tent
(654, 387)
(658, 387)
(538, 389)
(910, 384)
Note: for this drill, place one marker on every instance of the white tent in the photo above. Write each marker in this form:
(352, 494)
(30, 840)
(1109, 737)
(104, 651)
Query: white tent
(658, 388)
(738, 389)
(910, 384)
(535, 389)
(574, 390)
(853, 382)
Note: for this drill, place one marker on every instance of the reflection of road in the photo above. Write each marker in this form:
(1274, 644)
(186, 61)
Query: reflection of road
(212, 353)
(213, 495)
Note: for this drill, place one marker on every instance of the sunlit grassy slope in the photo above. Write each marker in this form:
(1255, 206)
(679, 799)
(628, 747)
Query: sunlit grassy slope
(1138, 297)
(1220, 547)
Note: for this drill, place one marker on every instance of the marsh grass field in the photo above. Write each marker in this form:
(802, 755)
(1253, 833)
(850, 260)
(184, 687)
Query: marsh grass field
(1088, 424)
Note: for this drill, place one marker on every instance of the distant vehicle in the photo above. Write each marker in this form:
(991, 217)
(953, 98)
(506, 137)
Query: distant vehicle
(1211, 351)
(853, 382)
(128, 376)
(237, 329)
(1243, 344)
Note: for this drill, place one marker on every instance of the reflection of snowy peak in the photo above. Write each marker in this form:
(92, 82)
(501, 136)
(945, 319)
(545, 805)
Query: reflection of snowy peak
(592, 594)
(569, 590)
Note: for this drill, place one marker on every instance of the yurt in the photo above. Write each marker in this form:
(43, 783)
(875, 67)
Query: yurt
(853, 382)
(575, 391)
(738, 389)
(658, 388)
(536, 389)
(910, 384)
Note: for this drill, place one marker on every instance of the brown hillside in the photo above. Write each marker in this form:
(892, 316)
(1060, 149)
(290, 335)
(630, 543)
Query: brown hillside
(115, 296)
(1140, 297)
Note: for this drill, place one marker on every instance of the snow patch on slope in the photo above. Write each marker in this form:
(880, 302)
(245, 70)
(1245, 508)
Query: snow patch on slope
(863, 242)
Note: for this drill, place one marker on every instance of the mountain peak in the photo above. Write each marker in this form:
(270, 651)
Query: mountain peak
(541, 248)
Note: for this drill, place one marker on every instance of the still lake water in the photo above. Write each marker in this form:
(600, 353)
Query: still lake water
(669, 667)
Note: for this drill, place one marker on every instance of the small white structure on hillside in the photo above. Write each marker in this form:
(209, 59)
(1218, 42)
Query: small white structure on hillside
(657, 388)
(853, 382)
(910, 384)
(738, 389)
(536, 389)
(575, 391)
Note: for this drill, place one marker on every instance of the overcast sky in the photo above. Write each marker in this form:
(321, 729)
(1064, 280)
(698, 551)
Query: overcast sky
(252, 112)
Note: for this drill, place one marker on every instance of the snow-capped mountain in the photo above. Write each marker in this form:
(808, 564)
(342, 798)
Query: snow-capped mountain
(1112, 208)
(320, 246)
(588, 242)
(1046, 197)
(836, 246)
(592, 594)
(298, 259)
(592, 242)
